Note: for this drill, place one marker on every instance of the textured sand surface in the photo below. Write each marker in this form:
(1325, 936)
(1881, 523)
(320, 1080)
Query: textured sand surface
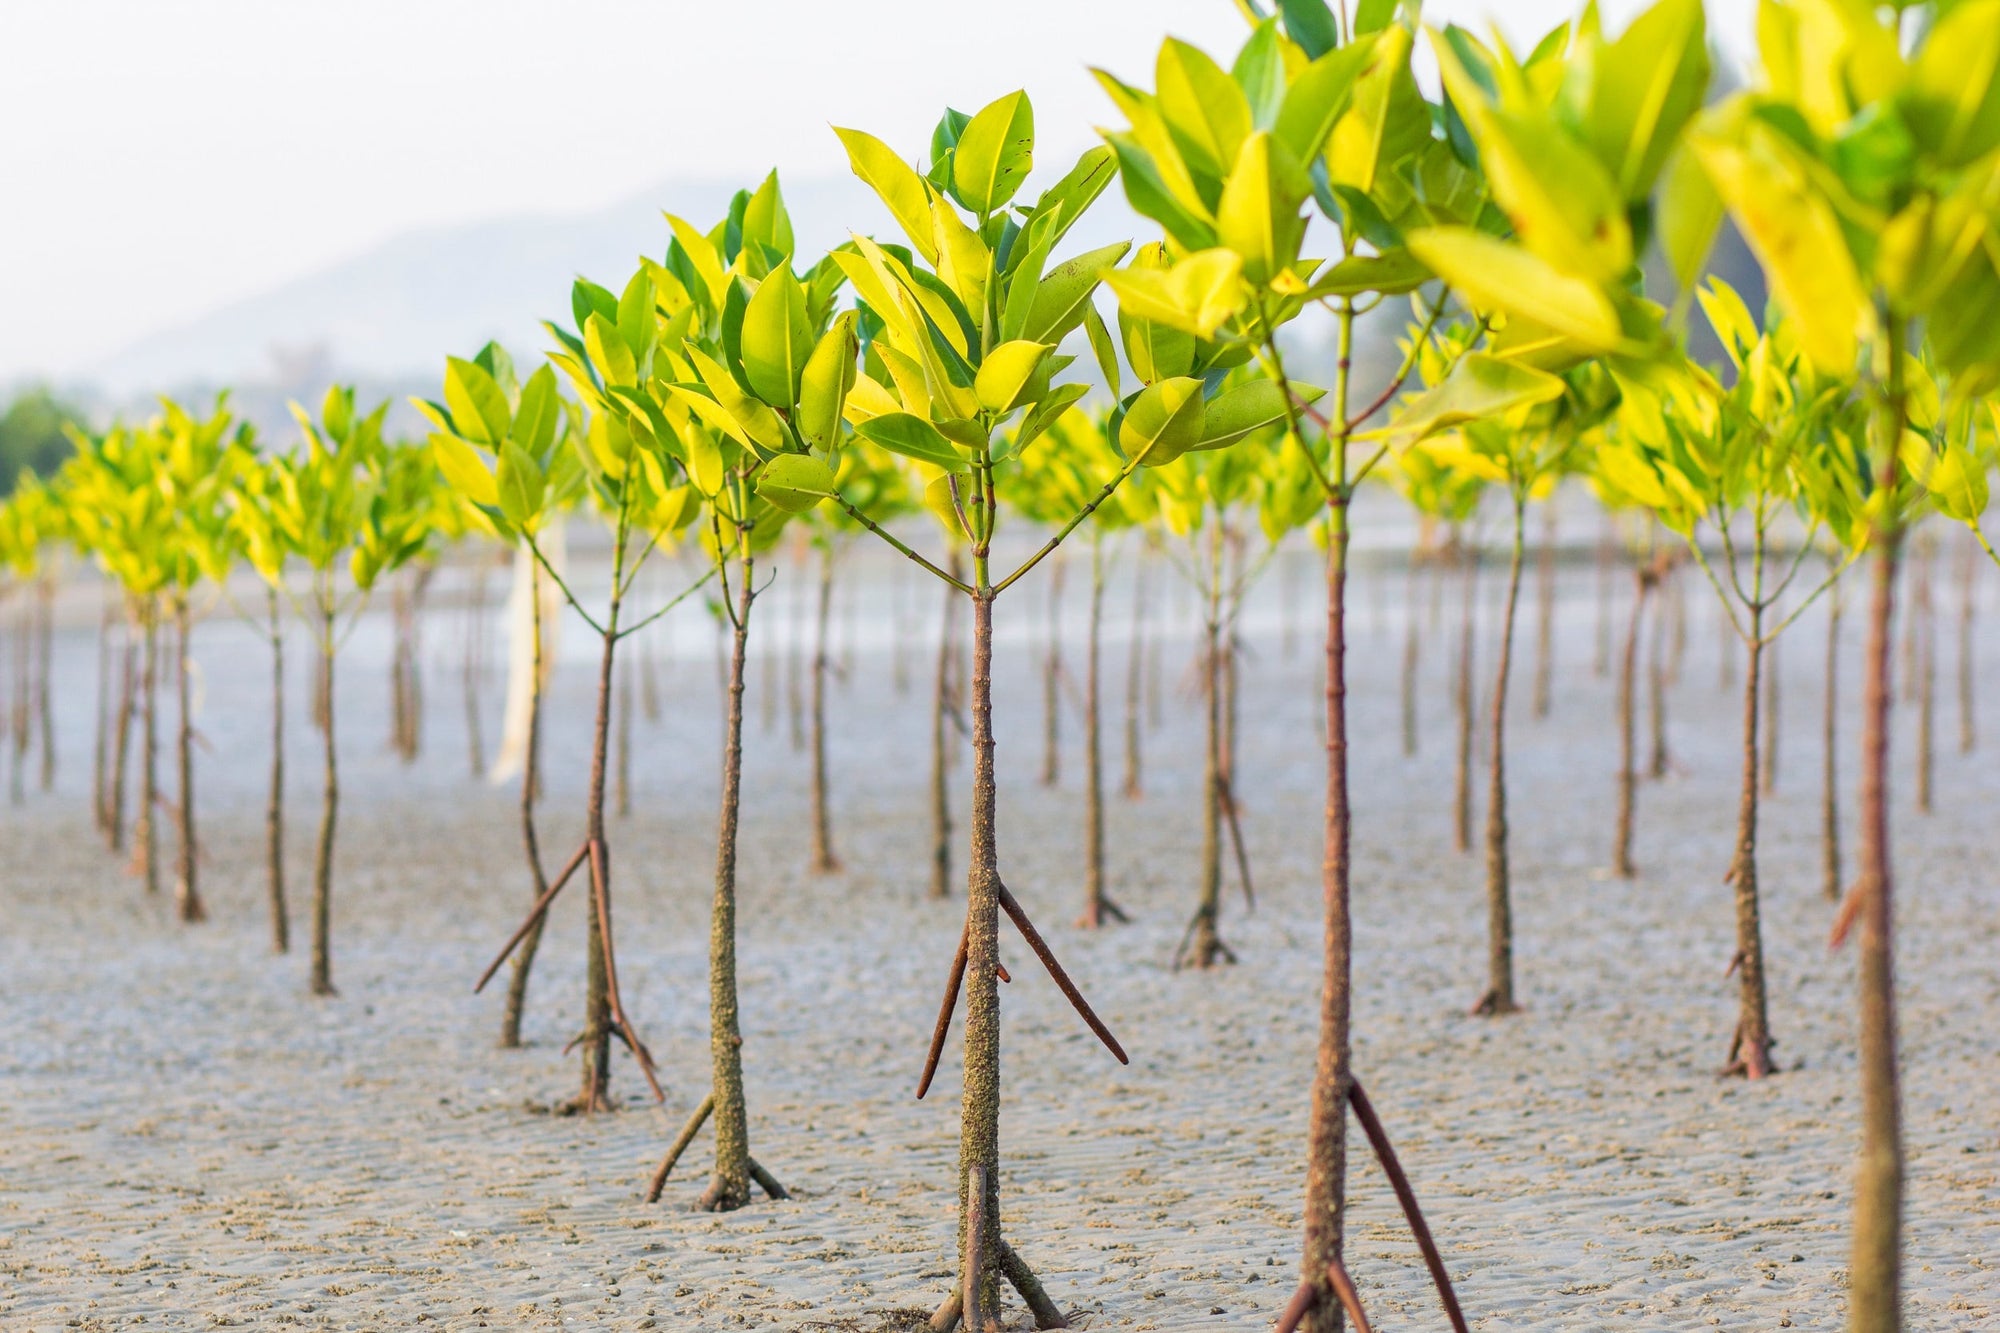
(187, 1140)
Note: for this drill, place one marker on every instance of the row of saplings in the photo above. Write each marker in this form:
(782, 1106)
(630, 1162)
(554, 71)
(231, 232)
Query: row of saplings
(725, 391)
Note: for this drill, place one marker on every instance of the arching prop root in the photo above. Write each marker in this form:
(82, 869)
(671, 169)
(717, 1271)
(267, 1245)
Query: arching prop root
(535, 914)
(1019, 1276)
(762, 1178)
(1337, 1277)
(1040, 947)
(1228, 794)
(1489, 1006)
(1182, 956)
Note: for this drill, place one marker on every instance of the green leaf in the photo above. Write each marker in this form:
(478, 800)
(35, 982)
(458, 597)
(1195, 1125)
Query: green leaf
(896, 183)
(1103, 348)
(1198, 295)
(701, 253)
(478, 408)
(1258, 217)
(1007, 373)
(1644, 88)
(994, 153)
(1391, 273)
(609, 353)
(1794, 233)
(638, 324)
(1163, 422)
(1207, 114)
(1563, 205)
(1066, 201)
(1688, 217)
(1065, 290)
(1146, 189)
(1317, 99)
(1311, 24)
(519, 485)
(1479, 388)
(539, 411)
(1494, 275)
(777, 338)
(765, 220)
(465, 470)
(829, 374)
(914, 437)
(795, 482)
(1235, 413)
(1952, 103)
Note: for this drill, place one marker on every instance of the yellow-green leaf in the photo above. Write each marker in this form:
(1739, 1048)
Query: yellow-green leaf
(995, 151)
(1496, 276)
(1007, 372)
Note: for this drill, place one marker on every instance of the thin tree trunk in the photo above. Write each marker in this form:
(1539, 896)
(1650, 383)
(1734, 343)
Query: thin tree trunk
(187, 888)
(1412, 649)
(524, 956)
(979, 1118)
(824, 859)
(1875, 1283)
(1096, 905)
(1204, 947)
(941, 713)
(274, 805)
(1725, 638)
(128, 693)
(1326, 1133)
(1750, 1051)
(322, 938)
(1545, 611)
(1658, 761)
(1461, 827)
(1052, 680)
(1134, 785)
(1499, 996)
(594, 1091)
(147, 833)
(1621, 842)
(1830, 877)
(729, 1187)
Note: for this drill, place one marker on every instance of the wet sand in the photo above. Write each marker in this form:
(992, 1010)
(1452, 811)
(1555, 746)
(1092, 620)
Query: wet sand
(188, 1140)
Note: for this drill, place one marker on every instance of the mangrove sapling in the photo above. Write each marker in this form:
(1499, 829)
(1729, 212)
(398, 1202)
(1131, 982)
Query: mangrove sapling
(327, 503)
(1523, 447)
(1373, 67)
(1017, 312)
(1701, 457)
(543, 460)
(264, 545)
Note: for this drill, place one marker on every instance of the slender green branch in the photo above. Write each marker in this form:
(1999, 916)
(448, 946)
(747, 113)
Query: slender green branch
(852, 512)
(686, 593)
(535, 550)
(1728, 606)
(1131, 466)
(1832, 578)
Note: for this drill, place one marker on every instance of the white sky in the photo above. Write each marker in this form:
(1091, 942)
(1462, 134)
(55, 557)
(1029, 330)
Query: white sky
(163, 157)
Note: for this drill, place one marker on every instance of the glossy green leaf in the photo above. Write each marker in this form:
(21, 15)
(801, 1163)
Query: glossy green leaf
(1163, 422)
(1259, 217)
(777, 338)
(465, 470)
(896, 183)
(994, 154)
(1479, 388)
(914, 437)
(519, 483)
(1198, 295)
(1007, 373)
(1235, 413)
(1496, 276)
(830, 373)
(795, 482)
(1206, 112)
(478, 408)
(1065, 290)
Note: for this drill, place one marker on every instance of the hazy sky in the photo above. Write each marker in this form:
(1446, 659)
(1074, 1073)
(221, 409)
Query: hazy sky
(163, 157)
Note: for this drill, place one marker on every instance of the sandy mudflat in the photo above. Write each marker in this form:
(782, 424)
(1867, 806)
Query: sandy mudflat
(188, 1141)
